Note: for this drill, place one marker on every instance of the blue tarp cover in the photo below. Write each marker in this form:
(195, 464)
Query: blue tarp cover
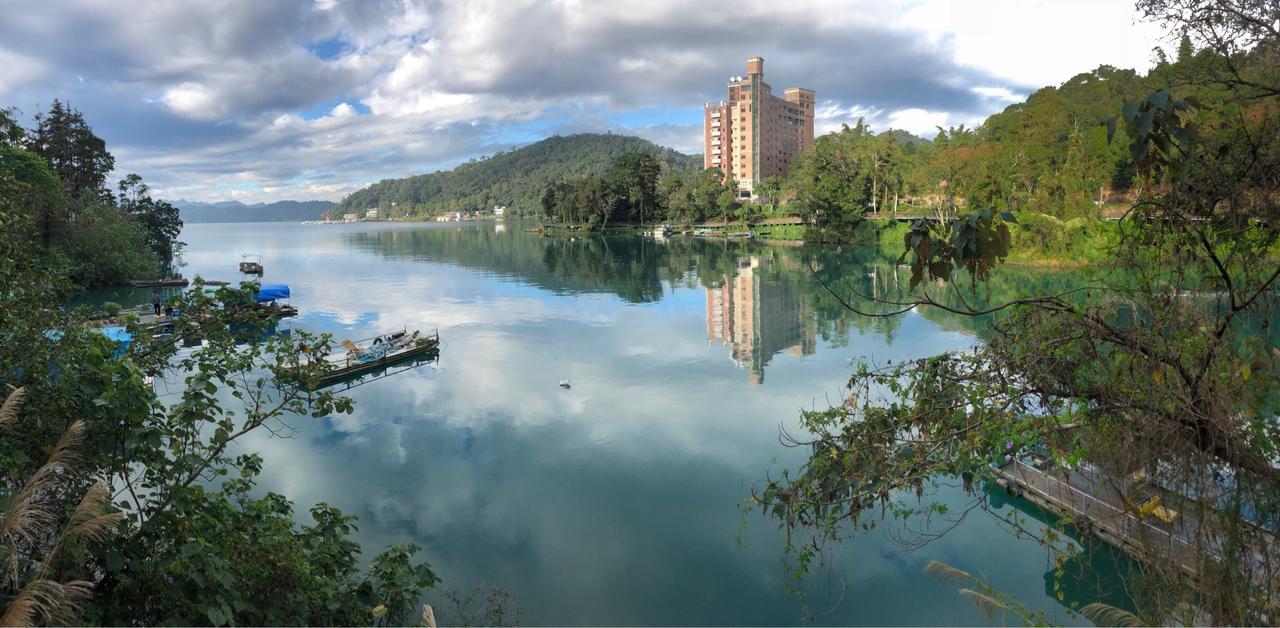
(120, 336)
(272, 291)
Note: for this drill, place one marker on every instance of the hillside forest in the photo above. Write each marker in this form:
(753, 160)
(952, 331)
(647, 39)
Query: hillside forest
(513, 179)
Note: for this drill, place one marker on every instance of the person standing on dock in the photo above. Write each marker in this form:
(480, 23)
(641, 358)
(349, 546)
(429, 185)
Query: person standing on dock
(155, 301)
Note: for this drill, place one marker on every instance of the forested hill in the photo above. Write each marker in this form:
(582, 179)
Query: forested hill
(235, 211)
(512, 179)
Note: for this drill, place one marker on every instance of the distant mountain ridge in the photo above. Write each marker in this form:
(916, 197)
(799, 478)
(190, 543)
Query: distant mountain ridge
(235, 211)
(513, 179)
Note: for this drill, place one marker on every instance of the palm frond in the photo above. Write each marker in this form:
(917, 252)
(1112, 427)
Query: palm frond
(1108, 615)
(947, 573)
(985, 603)
(9, 410)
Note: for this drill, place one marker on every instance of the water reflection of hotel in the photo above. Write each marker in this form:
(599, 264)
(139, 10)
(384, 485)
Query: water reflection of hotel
(759, 318)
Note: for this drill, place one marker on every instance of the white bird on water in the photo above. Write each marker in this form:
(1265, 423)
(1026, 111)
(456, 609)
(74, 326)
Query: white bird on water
(564, 383)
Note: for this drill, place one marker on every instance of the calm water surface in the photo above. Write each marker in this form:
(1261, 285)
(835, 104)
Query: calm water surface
(616, 501)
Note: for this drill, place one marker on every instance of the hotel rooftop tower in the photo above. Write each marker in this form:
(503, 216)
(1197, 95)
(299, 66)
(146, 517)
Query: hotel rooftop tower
(754, 134)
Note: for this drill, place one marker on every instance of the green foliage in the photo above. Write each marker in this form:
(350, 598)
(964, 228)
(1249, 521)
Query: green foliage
(833, 179)
(76, 155)
(58, 183)
(11, 133)
(632, 192)
(195, 543)
(27, 185)
(159, 219)
(514, 179)
(974, 242)
(106, 246)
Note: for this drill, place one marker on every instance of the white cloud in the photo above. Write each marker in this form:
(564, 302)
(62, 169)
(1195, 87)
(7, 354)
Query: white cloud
(918, 121)
(1039, 42)
(342, 110)
(1001, 94)
(272, 91)
(16, 68)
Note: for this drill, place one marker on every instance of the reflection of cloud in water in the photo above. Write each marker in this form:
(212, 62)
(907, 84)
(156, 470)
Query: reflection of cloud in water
(615, 501)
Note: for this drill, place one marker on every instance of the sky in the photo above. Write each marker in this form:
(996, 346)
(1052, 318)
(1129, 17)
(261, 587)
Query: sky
(268, 100)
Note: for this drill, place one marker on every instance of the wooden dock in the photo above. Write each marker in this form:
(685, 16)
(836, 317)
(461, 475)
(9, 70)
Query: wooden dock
(160, 283)
(1110, 509)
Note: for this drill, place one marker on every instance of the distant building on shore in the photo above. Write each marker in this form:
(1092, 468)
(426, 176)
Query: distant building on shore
(754, 134)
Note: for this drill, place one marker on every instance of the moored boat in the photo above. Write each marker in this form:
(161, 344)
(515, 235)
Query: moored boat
(251, 264)
(370, 354)
(272, 299)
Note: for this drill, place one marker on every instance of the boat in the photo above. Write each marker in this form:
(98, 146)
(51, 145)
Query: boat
(272, 299)
(378, 352)
(251, 265)
(158, 283)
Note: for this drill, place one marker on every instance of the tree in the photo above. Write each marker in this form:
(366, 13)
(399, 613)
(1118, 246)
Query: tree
(159, 219)
(28, 188)
(633, 177)
(728, 205)
(11, 133)
(76, 155)
(769, 192)
(109, 247)
(1162, 363)
(833, 180)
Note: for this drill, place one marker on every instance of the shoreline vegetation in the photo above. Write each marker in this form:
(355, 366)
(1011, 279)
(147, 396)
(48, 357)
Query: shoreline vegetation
(884, 232)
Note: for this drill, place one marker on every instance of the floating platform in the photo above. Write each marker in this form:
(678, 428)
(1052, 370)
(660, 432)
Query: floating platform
(365, 356)
(1133, 514)
(159, 283)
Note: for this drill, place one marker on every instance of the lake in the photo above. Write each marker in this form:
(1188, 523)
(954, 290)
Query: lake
(617, 500)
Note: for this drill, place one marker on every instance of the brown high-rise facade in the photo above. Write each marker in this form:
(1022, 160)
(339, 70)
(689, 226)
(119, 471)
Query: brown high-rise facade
(754, 134)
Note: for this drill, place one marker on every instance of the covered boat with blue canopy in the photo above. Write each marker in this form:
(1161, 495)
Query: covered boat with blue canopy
(272, 298)
(272, 292)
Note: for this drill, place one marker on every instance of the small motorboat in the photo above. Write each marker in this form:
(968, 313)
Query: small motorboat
(251, 265)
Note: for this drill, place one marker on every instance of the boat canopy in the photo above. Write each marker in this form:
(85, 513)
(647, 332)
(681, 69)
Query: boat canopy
(120, 336)
(271, 292)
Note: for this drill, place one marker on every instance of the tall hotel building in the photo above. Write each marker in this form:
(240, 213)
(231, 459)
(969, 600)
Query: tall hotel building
(754, 134)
